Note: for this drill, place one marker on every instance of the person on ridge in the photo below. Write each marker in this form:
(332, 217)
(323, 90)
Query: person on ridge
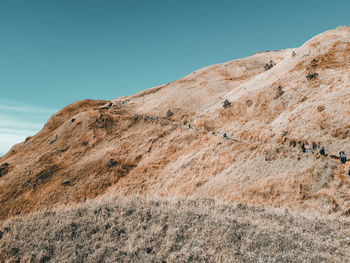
(306, 147)
(323, 152)
(342, 157)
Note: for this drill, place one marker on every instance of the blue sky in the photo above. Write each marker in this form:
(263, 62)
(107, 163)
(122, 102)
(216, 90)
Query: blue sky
(55, 52)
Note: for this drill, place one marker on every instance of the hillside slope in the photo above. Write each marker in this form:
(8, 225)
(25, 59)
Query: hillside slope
(134, 145)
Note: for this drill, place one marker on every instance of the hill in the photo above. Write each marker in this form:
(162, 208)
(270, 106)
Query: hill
(168, 141)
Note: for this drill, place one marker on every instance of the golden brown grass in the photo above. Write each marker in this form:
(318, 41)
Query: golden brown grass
(260, 163)
(337, 57)
(177, 230)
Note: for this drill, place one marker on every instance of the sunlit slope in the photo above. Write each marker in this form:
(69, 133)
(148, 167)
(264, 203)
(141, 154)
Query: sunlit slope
(134, 145)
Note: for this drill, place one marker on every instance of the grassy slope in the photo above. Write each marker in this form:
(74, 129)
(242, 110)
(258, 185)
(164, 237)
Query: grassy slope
(271, 114)
(120, 230)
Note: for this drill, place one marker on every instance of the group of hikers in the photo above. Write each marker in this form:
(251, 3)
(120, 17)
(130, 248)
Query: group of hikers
(306, 147)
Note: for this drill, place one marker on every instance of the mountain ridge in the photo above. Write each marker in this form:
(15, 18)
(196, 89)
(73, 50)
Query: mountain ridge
(131, 145)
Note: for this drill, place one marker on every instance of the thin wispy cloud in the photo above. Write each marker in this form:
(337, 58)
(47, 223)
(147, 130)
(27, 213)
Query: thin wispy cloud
(17, 131)
(20, 120)
(7, 105)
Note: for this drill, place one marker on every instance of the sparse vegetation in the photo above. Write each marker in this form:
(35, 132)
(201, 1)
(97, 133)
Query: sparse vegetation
(321, 108)
(269, 65)
(249, 103)
(169, 113)
(226, 103)
(312, 76)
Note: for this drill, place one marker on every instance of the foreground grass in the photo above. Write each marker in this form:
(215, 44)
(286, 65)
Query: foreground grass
(140, 230)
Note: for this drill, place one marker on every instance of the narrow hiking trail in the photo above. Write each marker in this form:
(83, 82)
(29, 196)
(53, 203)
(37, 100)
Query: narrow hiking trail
(335, 187)
(186, 124)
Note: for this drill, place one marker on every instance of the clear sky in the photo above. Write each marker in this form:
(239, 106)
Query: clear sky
(54, 52)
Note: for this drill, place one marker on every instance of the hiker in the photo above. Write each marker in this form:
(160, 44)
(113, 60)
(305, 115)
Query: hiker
(342, 157)
(225, 135)
(323, 152)
(306, 147)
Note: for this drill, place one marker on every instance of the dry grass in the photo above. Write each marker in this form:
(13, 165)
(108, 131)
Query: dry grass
(202, 230)
(68, 161)
(337, 57)
(94, 148)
